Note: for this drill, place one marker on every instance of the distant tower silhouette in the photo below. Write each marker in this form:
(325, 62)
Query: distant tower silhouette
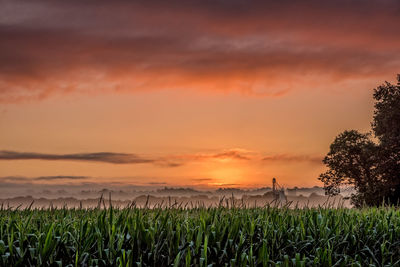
(278, 192)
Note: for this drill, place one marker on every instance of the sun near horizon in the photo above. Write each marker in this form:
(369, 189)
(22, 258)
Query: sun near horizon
(223, 94)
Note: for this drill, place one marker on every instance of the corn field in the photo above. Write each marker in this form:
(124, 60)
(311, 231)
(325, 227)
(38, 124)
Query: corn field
(201, 236)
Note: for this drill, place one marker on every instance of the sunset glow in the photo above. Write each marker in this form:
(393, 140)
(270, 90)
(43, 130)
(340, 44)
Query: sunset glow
(183, 93)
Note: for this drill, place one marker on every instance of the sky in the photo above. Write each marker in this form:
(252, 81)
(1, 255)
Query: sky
(203, 94)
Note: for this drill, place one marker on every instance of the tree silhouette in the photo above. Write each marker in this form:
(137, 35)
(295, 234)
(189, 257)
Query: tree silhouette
(372, 167)
(386, 126)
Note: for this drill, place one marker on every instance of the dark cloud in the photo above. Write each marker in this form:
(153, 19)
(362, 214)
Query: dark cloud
(126, 158)
(157, 183)
(107, 157)
(203, 179)
(294, 158)
(79, 182)
(229, 185)
(165, 161)
(7, 179)
(235, 154)
(41, 178)
(266, 48)
(60, 177)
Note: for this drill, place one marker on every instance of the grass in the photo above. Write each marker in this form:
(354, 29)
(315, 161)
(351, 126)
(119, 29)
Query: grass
(200, 237)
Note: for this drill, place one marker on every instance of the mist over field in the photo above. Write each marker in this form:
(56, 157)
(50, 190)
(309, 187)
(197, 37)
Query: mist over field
(122, 196)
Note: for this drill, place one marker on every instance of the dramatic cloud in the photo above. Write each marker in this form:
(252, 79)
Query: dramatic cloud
(294, 158)
(125, 158)
(107, 157)
(223, 185)
(203, 179)
(235, 154)
(164, 161)
(265, 48)
(27, 180)
(78, 181)
(157, 183)
(60, 177)
(41, 178)
(230, 154)
(17, 179)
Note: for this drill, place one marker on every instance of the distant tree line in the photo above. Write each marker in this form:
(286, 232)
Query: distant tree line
(369, 162)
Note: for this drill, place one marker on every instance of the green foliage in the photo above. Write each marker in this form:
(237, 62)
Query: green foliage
(200, 237)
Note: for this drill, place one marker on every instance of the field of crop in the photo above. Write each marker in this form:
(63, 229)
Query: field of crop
(200, 237)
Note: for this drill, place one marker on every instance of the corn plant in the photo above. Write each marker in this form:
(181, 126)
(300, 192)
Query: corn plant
(200, 236)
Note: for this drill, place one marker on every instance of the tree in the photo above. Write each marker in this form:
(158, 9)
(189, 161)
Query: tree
(352, 161)
(386, 126)
(372, 168)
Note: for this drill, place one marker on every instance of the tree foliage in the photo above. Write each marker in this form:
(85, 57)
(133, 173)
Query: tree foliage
(370, 165)
(386, 126)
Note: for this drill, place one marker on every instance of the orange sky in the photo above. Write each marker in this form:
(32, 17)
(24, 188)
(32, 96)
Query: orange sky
(186, 93)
